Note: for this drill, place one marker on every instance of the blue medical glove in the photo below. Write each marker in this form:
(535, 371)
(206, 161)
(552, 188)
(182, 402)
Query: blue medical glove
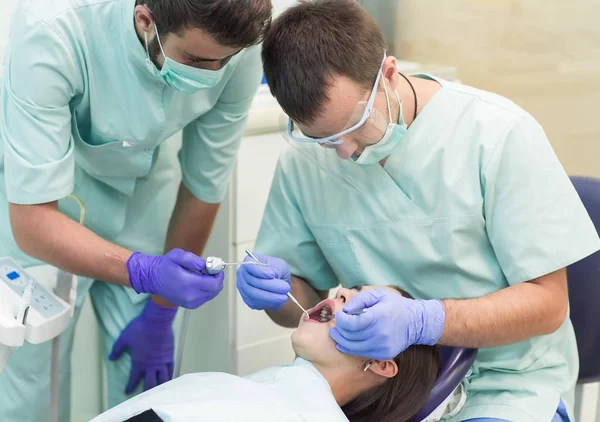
(176, 276)
(264, 287)
(390, 325)
(150, 341)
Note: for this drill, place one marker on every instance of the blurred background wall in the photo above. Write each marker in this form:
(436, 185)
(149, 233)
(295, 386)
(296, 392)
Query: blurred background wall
(544, 55)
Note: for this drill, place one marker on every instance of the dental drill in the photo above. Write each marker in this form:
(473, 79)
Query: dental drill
(214, 265)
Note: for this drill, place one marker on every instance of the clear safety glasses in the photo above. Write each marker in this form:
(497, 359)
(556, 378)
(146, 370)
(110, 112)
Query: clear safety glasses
(366, 125)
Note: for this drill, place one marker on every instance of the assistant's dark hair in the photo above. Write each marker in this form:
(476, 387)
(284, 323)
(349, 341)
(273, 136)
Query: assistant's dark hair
(234, 23)
(313, 41)
(399, 398)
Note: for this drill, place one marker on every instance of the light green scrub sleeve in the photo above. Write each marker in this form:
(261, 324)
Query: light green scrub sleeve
(534, 217)
(211, 142)
(36, 119)
(284, 233)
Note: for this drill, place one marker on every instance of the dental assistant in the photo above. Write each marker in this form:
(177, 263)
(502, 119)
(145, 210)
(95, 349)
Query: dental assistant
(91, 90)
(447, 191)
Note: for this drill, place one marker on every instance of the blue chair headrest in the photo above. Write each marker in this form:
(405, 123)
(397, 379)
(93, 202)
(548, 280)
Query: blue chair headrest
(455, 362)
(584, 289)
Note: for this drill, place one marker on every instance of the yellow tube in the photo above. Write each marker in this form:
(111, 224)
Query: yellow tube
(81, 208)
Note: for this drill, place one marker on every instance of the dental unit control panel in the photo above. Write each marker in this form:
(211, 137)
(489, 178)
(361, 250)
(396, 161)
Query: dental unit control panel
(30, 310)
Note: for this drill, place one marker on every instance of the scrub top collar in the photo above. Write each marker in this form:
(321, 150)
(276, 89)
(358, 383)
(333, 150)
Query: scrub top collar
(133, 45)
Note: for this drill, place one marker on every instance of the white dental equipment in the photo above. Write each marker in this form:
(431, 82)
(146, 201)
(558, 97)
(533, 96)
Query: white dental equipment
(214, 265)
(292, 298)
(31, 311)
(35, 306)
(28, 311)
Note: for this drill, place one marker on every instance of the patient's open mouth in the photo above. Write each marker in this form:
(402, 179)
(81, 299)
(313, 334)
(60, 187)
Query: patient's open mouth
(323, 312)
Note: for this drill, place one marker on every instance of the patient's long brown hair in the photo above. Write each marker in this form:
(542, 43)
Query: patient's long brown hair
(401, 397)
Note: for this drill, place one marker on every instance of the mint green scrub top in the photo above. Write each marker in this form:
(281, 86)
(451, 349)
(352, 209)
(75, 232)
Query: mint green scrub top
(471, 201)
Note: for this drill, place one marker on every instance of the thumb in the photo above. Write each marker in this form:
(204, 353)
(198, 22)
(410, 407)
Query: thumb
(118, 348)
(188, 260)
(365, 299)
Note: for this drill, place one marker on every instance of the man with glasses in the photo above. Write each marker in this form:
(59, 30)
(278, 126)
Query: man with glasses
(452, 193)
(91, 91)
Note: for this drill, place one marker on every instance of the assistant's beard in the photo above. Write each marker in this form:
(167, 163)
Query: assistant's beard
(154, 52)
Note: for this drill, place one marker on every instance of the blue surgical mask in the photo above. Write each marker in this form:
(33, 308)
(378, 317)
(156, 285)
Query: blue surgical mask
(394, 133)
(186, 79)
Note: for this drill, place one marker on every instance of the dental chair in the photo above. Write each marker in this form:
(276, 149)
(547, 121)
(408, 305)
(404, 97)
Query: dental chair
(455, 362)
(584, 300)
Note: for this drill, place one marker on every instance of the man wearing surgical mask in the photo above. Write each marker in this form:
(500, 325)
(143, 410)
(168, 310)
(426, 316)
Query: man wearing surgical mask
(449, 192)
(91, 91)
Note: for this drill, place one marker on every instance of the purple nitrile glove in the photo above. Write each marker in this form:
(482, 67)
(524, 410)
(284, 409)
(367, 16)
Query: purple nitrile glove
(389, 326)
(150, 341)
(176, 276)
(264, 287)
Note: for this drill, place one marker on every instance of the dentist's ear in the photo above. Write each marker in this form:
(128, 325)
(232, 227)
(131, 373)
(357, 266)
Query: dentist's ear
(144, 20)
(384, 368)
(390, 72)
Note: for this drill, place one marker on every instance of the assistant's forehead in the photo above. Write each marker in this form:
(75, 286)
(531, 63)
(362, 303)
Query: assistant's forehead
(343, 97)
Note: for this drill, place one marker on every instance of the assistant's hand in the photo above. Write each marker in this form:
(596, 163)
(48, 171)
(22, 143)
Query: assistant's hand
(264, 287)
(150, 342)
(176, 276)
(390, 325)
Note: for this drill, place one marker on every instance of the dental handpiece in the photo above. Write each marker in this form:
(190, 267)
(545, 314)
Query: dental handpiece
(292, 298)
(215, 265)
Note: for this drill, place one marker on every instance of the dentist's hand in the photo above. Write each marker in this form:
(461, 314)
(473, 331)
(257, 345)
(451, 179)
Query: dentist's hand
(150, 342)
(176, 276)
(390, 325)
(264, 288)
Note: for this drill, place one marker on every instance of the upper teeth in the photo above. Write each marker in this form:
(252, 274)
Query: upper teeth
(324, 314)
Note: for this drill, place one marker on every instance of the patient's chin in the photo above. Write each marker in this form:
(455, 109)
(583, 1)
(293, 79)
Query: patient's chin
(312, 342)
(299, 344)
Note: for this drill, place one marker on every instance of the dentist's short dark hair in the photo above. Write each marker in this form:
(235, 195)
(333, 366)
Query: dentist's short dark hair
(233, 23)
(312, 42)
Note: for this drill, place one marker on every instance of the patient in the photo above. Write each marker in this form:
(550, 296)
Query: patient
(321, 384)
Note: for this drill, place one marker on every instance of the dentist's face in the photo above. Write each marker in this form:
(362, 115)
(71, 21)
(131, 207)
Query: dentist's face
(345, 105)
(192, 47)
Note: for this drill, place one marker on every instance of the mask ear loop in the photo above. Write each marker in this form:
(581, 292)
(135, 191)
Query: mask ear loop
(157, 37)
(146, 42)
(387, 98)
(159, 43)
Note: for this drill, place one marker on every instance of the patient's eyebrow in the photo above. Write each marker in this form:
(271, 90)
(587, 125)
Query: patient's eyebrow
(357, 288)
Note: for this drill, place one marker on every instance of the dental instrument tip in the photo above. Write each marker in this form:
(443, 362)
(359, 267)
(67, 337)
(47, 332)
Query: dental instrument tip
(355, 312)
(293, 299)
(262, 264)
(251, 255)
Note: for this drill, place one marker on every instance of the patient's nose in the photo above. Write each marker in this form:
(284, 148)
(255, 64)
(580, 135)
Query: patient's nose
(344, 294)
